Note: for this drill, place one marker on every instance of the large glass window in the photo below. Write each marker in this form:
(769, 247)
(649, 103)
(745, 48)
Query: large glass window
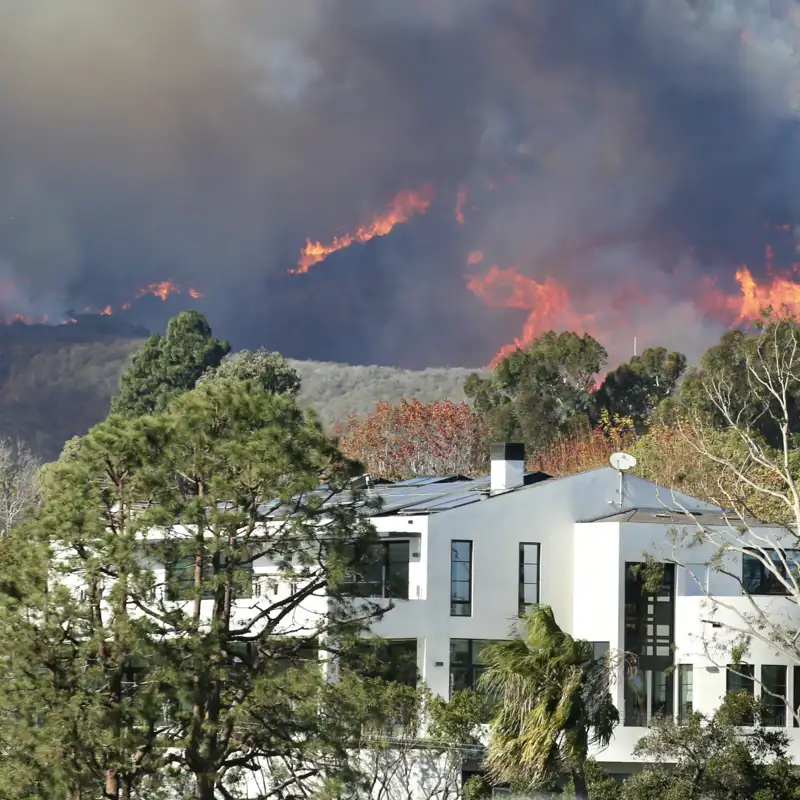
(649, 623)
(685, 689)
(648, 694)
(466, 665)
(461, 578)
(392, 660)
(382, 571)
(773, 695)
(739, 678)
(662, 694)
(180, 577)
(528, 576)
(758, 578)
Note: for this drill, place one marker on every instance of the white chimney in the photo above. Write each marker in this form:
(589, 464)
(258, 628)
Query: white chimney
(508, 467)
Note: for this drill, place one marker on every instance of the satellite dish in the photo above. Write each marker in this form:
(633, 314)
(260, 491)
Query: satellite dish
(622, 461)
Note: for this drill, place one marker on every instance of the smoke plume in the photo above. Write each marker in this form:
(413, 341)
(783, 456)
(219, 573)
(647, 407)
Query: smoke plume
(632, 150)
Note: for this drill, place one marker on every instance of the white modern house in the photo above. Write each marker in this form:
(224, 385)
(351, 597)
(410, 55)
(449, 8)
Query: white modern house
(462, 558)
(459, 559)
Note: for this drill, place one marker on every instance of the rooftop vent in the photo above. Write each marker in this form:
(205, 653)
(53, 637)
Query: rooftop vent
(508, 467)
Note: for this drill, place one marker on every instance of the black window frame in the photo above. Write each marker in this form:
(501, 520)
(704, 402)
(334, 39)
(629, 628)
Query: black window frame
(741, 678)
(773, 709)
(761, 582)
(458, 606)
(181, 589)
(471, 668)
(524, 605)
(662, 707)
(685, 687)
(379, 577)
(600, 650)
(390, 660)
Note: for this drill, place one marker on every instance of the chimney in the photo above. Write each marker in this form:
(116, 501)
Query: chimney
(508, 467)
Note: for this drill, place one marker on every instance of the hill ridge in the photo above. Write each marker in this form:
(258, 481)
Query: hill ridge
(56, 386)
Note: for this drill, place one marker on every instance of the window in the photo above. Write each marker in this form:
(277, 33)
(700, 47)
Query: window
(599, 663)
(685, 686)
(392, 660)
(599, 649)
(648, 694)
(382, 571)
(757, 578)
(649, 624)
(662, 694)
(180, 577)
(461, 579)
(528, 576)
(773, 695)
(739, 678)
(466, 665)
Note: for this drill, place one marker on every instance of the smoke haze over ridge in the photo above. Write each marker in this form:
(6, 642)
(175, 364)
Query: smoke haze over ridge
(636, 147)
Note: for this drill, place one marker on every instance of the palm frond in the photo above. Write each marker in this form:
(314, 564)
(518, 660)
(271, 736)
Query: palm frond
(553, 702)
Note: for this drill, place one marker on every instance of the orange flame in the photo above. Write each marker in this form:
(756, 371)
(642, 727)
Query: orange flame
(548, 304)
(746, 305)
(461, 198)
(161, 289)
(106, 312)
(194, 294)
(475, 257)
(780, 292)
(403, 206)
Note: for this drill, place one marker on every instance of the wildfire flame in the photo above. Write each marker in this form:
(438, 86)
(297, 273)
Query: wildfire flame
(475, 257)
(780, 292)
(547, 303)
(461, 199)
(403, 207)
(162, 290)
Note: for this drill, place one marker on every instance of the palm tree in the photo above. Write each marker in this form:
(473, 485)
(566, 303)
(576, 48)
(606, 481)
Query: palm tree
(553, 703)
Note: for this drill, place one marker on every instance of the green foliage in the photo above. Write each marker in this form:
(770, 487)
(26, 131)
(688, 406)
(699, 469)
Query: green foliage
(460, 718)
(168, 365)
(635, 389)
(79, 377)
(269, 371)
(713, 759)
(600, 784)
(476, 787)
(147, 672)
(539, 392)
(553, 703)
(742, 373)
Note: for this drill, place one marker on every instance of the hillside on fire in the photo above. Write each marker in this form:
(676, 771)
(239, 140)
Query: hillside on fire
(57, 381)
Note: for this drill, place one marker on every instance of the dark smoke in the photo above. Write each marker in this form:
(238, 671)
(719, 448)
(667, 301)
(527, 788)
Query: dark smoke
(202, 141)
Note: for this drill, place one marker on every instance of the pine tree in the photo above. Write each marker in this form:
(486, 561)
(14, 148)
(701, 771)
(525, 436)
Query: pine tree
(135, 644)
(168, 365)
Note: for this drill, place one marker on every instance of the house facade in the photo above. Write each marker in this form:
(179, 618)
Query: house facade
(462, 559)
(458, 561)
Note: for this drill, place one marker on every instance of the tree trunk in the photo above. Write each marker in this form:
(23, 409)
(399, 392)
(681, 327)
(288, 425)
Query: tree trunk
(579, 779)
(204, 788)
